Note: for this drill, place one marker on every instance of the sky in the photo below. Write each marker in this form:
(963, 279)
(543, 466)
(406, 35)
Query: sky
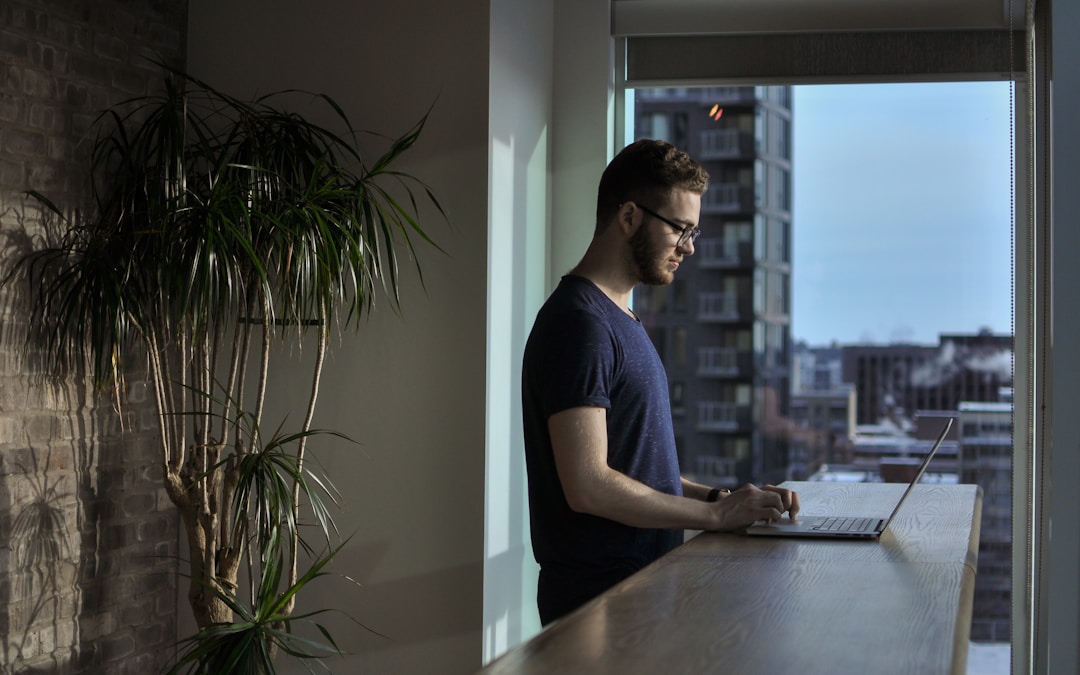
(901, 212)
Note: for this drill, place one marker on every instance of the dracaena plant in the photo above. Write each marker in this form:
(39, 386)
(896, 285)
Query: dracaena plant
(221, 226)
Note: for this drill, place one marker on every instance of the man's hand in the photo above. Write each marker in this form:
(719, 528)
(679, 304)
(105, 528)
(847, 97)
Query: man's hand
(789, 499)
(749, 504)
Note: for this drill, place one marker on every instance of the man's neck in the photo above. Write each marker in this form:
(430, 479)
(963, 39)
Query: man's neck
(617, 287)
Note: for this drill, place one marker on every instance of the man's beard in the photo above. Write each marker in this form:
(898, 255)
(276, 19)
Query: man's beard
(647, 258)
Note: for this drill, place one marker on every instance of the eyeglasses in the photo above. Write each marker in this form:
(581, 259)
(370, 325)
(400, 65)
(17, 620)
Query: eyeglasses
(686, 233)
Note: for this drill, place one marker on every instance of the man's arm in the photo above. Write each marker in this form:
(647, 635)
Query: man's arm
(579, 441)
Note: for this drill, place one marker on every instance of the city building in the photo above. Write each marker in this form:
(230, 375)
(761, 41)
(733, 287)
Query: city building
(900, 378)
(893, 450)
(823, 411)
(985, 460)
(723, 326)
(816, 368)
(824, 424)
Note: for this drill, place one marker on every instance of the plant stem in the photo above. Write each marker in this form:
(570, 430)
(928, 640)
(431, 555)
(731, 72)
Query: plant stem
(320, 358)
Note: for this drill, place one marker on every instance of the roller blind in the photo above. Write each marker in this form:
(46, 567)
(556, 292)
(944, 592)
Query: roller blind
(715, 17)
(806, 41)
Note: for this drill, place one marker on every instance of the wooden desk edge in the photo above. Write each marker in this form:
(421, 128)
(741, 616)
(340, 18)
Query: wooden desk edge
(962, 639)
(522, 657)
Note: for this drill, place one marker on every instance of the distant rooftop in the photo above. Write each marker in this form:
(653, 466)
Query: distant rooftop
(973, 406)
(849, 475)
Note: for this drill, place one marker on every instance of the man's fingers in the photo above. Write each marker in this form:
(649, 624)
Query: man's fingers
(767, 503)
(789, 500)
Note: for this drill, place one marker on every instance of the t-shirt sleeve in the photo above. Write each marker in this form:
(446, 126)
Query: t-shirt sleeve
(578, 363)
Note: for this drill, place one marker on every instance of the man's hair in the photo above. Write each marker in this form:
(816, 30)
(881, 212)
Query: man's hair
(647, 172)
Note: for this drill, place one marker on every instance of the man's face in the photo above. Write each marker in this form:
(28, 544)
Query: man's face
(654, 248)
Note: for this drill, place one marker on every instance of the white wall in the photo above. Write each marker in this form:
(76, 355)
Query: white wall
(583, 121)
(522, 36)
(409, 389)
(550, 140)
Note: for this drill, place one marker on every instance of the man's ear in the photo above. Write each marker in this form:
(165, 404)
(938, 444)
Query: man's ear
(626, 218)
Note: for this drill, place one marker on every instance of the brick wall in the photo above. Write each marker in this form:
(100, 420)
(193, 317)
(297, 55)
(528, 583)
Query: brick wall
(88, 540)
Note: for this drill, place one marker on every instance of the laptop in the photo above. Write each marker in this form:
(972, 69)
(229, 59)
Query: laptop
(845, 526)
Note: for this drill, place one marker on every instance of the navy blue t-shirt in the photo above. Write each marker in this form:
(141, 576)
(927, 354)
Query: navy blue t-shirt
(585, 351)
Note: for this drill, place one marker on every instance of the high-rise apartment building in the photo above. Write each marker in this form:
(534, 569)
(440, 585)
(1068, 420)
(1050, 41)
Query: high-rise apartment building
(723, 326)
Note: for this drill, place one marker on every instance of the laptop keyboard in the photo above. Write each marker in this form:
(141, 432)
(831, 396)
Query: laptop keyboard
(846, 524)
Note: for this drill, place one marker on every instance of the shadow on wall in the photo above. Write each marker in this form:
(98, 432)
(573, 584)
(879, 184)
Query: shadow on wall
(87, 564)
(38, 551)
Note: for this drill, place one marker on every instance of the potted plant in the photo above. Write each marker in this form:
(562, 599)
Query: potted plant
(221, 227)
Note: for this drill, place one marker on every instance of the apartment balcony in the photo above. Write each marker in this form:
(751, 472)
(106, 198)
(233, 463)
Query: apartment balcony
(722, 306)
(724, 362)
(705, 95)
(728, 198)
(713, 253)
(723, 416)
(718, 144)
(728, 95)
(988, 465)
(716, 471)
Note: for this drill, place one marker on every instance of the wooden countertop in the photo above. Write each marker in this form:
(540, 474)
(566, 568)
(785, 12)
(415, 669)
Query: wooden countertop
(727, 603)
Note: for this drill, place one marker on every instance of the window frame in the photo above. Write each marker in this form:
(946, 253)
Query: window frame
(905, 56)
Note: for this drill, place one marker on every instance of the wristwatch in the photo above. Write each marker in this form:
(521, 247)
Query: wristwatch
(714, 494)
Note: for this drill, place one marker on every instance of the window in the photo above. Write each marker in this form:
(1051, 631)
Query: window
(678, 355)
(799, 45)
(678, 399)
(850, 205)
(679, 296)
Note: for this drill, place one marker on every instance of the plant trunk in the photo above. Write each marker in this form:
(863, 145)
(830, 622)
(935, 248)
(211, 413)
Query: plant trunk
(206, 605)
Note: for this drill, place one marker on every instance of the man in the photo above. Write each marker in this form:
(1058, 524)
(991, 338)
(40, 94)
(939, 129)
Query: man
(606, 496)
